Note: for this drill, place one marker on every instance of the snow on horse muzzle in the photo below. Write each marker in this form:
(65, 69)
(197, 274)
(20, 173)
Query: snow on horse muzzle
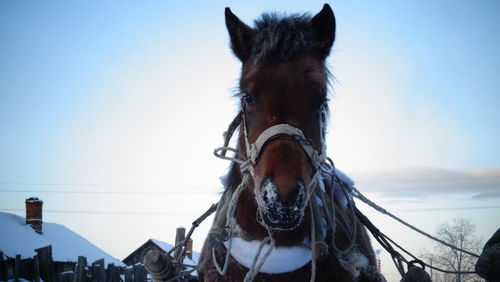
(278, 213)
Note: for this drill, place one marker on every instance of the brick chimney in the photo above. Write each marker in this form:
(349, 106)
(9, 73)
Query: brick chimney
(34, 213)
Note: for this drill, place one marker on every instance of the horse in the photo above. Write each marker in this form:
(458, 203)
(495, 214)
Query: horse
(286, 213)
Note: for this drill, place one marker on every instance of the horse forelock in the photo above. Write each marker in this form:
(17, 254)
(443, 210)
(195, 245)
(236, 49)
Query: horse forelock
(280, 37)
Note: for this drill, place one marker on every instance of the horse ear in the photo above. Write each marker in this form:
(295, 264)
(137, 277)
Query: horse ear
(323, 30)
(241, 36)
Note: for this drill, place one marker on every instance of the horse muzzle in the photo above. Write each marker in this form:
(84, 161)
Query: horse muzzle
(278, 213)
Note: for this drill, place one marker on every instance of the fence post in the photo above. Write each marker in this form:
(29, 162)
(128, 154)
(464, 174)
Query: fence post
(3, 268)
(17, 268)
(46, 264)
(128, 273)
(36, 269)
(80, 272)
(98, 272)
(140, 274)
(112, 273)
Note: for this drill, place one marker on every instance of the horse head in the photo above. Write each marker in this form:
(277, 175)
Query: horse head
(283, 93)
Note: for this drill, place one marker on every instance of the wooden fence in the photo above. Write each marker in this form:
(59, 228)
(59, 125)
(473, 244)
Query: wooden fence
(42, 267)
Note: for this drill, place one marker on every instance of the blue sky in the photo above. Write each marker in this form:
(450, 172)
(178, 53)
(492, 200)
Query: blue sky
(115, 107)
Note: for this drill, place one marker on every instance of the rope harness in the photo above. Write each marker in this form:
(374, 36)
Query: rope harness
(320, 201)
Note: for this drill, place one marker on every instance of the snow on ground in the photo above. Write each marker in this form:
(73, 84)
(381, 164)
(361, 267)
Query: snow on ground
(18, 238)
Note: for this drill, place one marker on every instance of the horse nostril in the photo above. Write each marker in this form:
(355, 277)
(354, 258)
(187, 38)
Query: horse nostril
(293, 195)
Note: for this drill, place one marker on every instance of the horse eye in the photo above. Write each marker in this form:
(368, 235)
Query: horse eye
(249, 100)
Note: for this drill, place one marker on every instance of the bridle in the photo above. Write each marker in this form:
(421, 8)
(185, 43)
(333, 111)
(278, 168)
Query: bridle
(254, 150)
(279, 131)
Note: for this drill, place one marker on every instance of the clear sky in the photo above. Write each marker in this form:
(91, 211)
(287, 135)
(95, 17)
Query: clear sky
(110, 110)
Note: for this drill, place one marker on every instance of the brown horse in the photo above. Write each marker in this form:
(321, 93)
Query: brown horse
(286, 213)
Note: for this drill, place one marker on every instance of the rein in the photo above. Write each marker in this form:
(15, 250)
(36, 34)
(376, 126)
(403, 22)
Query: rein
(387, 243)
(225, 221)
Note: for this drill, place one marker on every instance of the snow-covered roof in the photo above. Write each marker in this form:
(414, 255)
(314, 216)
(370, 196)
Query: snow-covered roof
(18, 238)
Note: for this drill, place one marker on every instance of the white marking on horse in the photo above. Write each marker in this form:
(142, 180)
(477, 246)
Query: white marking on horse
(281, 259)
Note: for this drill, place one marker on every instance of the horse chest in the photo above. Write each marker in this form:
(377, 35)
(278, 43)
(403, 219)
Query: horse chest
(327, 270)
(280, 260)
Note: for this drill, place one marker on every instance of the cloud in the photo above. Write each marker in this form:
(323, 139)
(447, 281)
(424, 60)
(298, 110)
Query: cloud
(487, 195)
(421, 182)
